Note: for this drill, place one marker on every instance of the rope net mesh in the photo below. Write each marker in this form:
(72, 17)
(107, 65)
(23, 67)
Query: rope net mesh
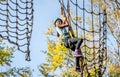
(91, 23)
(16, 23)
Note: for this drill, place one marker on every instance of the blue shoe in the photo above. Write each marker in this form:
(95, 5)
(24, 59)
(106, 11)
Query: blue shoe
(78, 69)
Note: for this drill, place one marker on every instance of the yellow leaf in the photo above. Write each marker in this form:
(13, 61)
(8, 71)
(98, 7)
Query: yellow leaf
(5, 52)
(112, 68)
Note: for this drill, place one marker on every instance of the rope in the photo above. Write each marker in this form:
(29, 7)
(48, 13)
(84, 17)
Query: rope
(69, 21)
(76, 19)
(98, 52)
(84, 37)
(17, 24)
(93, 36)
(85, 9)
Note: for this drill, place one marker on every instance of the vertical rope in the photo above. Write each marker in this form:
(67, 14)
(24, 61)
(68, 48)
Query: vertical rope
(104, 29)
(27, 34)
(69, 21)
(93, 36)
(105, 35)
(84, 37)
(76, 19)
(63, 6)
(17, 23)
(118, 51)
(99, 51)
(7, 19)
(30, 31)
(105, 39)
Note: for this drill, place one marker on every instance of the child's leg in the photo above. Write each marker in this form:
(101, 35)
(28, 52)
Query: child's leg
(77, 64)
(79, 42)
(76, 41)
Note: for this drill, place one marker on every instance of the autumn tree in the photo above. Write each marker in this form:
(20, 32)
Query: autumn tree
(6, 54)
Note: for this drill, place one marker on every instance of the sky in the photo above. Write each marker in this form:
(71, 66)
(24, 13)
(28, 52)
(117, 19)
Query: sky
(44, 12)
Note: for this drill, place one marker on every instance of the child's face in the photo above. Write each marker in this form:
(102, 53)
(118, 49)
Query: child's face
(58, 22)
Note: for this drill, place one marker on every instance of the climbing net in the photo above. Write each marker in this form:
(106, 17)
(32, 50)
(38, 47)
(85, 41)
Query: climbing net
(91, 24)
(16, 23)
